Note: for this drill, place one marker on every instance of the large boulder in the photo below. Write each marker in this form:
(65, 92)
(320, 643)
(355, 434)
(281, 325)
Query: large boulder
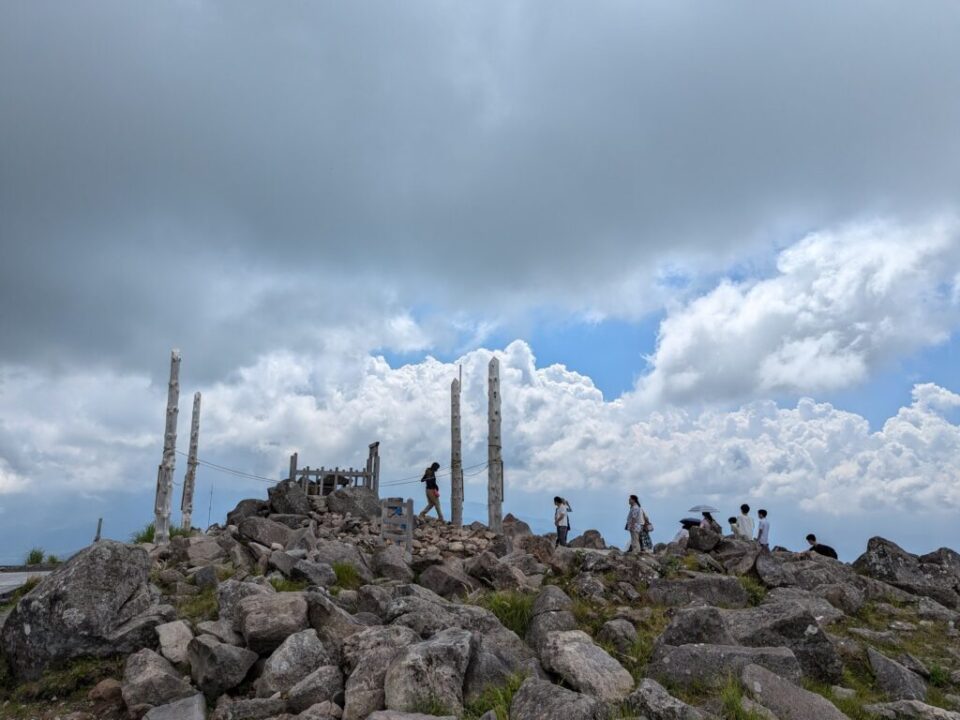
(786, 700)
(174, 638)
(702, 540)
(695, 587)
(392, 563)
(366, 656)
(697, 625)
(822, 610)
(150, 680)
(585, 666)
(332, 623)
(323, 685)
(334, 552)
(247, 508)
(895, 680)
(710, 665)
(589, 540)
(909, 710)
(316, 573)
(229, 595)
(447, 580)
(885, 560)
(787, 625)
(217, 667)
(204, 550)
(267, 620)
(97, 604)
(357, 501)
(487, 569)
(538, 699)
(298, 656)
(430, 671)
(652, 701)
(288, 498)
(264, 531)
(190, 708)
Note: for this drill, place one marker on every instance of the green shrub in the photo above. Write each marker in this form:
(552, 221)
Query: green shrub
(284, 585)
(497, 699)
(731, 699)
(62, 682)
(52, 560)
(513, 609)
(347, 576)
(35, 556)
(199, 607)
(939, 676)
(148, 533)
(756, 591)
(430, 706)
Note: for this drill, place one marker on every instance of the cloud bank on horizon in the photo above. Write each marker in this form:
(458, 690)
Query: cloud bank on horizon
(292, 193)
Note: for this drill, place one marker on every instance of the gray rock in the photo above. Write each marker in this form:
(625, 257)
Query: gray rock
(885, 560)
(894, 679)
(333, 552)
(551, 599)
(322, 685)
(619, 633)
(430, 671)
(697, 625)
(488, 570)
(591, 539)
(499, 656)
(366, 656)
(910, 710)
(245, 509)
(391, 563)
(322, 711)
(222, 630)
(447, 580)
(394, 715)
(711, 665)
(206, 577)
(288, 498)
(787, 625)
(738, 557)
(525, 563)
(248, 708)
(298, 655)
(539, 699)
(357, 501)
(786, 700)
(653, 701)
(315, 573)
(149, 680)
(190, 708)
(282, 562)
(702, 540)
(845, 598)
(267, 620)
(294, 522)
(264, 532)
(822, 610)
(174, 638)
(332, 623)
(217, 667)
(97, 604)
(716, 590)
(204, 550)
(586, 667)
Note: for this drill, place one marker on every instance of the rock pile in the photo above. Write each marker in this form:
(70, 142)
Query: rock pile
(295, 609)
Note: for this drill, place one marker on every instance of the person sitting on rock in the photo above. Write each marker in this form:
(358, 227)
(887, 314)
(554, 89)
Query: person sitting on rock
(763, 530)
(561, 520)
(820, 549)
(708, 523)
(734, 531)
(433, 491)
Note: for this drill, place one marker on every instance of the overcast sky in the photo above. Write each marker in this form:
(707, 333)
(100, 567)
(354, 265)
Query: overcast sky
(716, 246)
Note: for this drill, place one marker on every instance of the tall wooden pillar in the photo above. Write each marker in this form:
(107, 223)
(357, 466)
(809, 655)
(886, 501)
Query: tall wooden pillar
(494, 450)
(456, 459)
(161, 521)
(189, 480)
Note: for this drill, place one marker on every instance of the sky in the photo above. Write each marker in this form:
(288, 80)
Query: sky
(716, 248)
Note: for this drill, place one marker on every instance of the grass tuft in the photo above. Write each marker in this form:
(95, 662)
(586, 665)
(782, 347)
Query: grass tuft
(67, 680)
(203, 606)
(148, 532)
(731, 700)
(347, 576)
(52, 560)
(430, 705)
(35, 556)
(513, 609)
(756, 591)
(497, 699)
(284, 585)
(939, 676)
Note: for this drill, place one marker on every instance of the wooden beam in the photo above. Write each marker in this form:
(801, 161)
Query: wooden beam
(494, 450)
(189, 480)
(169, 461)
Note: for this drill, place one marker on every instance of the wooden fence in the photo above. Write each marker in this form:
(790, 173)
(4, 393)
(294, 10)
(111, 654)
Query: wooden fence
(323, 480)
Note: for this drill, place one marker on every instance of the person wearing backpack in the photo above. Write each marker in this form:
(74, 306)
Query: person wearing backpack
(639, 527)
(433, 491)
(561, 519)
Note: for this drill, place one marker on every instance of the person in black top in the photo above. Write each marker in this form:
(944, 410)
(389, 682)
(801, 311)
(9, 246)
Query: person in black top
(816, 547)
(433, 491)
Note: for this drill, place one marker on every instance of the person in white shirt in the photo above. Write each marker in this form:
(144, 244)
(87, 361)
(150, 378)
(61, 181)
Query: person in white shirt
(763, 531)
(561, 520)
(744, 529)
(639, 527)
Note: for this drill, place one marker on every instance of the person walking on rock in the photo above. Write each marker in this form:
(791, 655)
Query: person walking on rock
(639, 527)
(819, 548)
(562, 520)
(433, 491)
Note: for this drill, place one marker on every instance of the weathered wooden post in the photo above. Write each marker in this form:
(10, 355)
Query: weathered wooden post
(161, 521)
(373, 468)
(293, 467)
(494, 450)
(99, 528)
(456, 459)
(189, 480)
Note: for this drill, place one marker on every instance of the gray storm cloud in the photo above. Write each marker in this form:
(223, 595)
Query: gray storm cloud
(225, 175)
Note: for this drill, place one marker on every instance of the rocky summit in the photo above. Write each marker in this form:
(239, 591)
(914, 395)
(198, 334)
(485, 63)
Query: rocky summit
(297, 609)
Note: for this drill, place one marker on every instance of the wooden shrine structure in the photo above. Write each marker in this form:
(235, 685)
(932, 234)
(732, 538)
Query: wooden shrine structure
(324, 480)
